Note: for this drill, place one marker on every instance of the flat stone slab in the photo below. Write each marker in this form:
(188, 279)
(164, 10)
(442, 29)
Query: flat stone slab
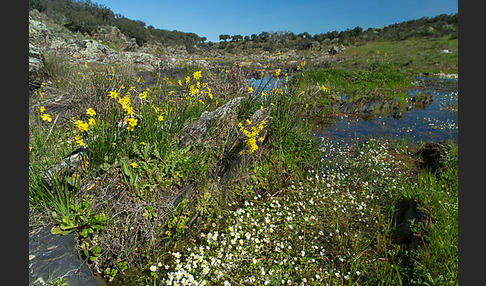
(54, 256)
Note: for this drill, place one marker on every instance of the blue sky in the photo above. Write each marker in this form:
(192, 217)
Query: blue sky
(211, 18)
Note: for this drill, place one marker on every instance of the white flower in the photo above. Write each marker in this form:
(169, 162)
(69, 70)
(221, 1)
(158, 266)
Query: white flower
(153, 268)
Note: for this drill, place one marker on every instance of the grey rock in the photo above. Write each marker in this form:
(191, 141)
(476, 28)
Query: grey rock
(68, 165)
(390, 104)
(347, 107)
(198, 130)
(52, 257)
(37, 73)
(370, 106)
(407, 213)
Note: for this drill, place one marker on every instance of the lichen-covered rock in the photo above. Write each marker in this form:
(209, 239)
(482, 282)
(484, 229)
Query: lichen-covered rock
(197, 131)
(37, 73)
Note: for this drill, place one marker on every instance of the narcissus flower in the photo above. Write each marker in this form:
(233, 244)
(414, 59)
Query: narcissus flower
(46, 117)
(82, 126)
(113, 94)
(79, 140)
(197, 75)
(90, 112)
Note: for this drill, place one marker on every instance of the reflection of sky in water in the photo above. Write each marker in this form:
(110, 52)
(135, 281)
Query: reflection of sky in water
(435, 123)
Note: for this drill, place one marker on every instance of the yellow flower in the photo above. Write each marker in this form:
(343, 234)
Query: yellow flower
(160, 118)
(122, 86)
(79, 140)
(132, 122)
(248, 122)
(90, 112)
(134, 165)
(91, 121)
(197, 75)
(82, 126)
(143, 95)
(180, 82)
(114, 94)
(277, 72)
(42, 109)
(138, 79)
(323, 88)
(250, 89)
(46, 117)
(187, 79)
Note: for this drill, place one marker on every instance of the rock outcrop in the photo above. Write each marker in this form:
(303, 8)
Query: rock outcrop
(52, 257)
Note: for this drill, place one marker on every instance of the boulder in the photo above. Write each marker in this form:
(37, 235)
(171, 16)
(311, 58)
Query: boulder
(347, 107)
(370, 107)
(422, 99)
(197, 131)
(52, 257)
(67, 166)
(406, 215)
(336, 49)
(37, 73)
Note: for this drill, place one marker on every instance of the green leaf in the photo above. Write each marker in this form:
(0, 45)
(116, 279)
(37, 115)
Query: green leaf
(105, 166)
(57, 231)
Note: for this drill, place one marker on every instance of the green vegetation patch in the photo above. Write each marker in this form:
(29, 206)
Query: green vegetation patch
(376, 76)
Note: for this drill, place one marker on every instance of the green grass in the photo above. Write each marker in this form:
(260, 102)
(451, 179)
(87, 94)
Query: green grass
(375, 76)
(412, 55)
(296, 211)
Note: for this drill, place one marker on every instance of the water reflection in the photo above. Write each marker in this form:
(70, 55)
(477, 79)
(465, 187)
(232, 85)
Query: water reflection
(435, 123)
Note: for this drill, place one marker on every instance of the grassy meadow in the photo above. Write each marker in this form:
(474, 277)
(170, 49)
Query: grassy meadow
(264, 203)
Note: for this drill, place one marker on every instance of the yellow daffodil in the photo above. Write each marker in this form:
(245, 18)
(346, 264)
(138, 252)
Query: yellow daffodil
(132, 122)
(46, 117)
(91, 121)
(134, 165)
(42, 109)
(114, 94)
(143, 95)
(197, 75)
(250, 89)
(277, 72)
(79, 140)
(90, 112)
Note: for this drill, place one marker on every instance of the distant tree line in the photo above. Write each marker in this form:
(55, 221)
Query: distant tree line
(441, 25)
(86, 17)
